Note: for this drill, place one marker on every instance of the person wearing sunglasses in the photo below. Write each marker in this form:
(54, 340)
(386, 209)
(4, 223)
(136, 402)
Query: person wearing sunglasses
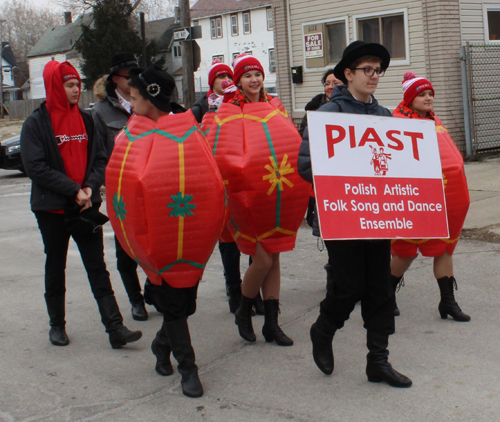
(110, 116)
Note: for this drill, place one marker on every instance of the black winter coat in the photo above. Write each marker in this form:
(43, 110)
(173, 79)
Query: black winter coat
(341, 101)
(200, 107)
(51, 189)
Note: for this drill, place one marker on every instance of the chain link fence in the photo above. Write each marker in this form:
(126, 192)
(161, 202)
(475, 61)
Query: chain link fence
(482, 65)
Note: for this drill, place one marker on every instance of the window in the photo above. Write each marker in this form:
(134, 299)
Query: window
(220, 57)
(233, 56)
(177, 51)
(388, 30)
(272, 60)
(247, 28)
(492, 23)
(270, 19)
(196, 23)
(216, 27)
(335, 32)
(234, 25)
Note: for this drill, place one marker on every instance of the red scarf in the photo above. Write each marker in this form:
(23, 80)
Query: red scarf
(67, 122)
(404, 111)
(240, 98)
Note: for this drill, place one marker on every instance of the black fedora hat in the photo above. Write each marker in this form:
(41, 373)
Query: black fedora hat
(122, 61)
(358, 49)
(154, 84)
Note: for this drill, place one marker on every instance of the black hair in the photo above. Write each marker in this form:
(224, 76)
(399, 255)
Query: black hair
(327, 73)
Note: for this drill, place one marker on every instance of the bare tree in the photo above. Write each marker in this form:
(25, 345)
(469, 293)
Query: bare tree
(25, 24)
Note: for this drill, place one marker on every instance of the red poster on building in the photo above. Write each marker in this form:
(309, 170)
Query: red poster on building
(376, 177)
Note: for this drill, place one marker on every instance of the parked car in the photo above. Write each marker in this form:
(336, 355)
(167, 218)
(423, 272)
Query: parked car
(10, 154)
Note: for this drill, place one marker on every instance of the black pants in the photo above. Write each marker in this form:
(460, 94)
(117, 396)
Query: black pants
(56, 241)
(127, 267)
(361, 271)
(175, 303)
(230, 255)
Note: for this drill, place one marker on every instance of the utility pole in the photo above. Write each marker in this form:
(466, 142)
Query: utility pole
(1, 69)
(187, 57)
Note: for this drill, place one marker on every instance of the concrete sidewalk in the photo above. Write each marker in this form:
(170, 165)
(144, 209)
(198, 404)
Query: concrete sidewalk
(454, 366)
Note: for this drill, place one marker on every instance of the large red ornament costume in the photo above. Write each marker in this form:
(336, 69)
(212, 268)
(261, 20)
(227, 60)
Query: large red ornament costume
(256, 147)
(165, 197)
(456, 194)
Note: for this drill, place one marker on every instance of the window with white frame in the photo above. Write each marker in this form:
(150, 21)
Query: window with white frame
(234, 25)
(492, 23)
(216, 27)
(219, 56)
(177, 51)
(233, 56)
(272, 60)
(247, 27)
(270, 19)
(388, 29)
(337, 42)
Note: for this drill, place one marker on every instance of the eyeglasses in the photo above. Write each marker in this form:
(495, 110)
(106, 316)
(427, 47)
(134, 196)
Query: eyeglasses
(126, 77)
(331, 84)
(370, 71)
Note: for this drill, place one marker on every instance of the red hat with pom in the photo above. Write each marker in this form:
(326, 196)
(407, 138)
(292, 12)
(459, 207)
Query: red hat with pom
(218, 68)
(412, 86)
(245, 63)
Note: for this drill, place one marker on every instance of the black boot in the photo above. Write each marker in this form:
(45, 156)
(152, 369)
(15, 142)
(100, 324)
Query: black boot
(448, 304)
(378, 368)
(180, 341)
(397, 283)
(329, 279)
(56, 311)
(119, 335)
(271, 330)
(258, 305)
(133, 288)
(150, 296)
(322, 332)
(161, 349)
(243, 319)
(234, 294)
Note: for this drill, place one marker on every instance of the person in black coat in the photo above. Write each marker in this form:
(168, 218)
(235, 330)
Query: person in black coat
(66, 165)
(361, 268)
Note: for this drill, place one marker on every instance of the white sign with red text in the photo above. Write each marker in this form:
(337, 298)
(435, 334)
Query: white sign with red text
(376, 177)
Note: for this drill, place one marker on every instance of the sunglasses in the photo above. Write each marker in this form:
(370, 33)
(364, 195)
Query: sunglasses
(126, 77)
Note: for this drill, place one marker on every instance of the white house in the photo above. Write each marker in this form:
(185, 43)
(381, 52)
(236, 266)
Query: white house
(231, 27)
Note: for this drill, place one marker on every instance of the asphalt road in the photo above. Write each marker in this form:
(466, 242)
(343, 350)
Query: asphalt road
(455, 367)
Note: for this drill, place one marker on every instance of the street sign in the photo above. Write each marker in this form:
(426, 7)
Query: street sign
(188, 33)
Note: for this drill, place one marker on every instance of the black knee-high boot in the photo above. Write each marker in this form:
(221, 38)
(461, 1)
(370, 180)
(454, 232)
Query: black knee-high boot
(133, 288)
(119, 335)
(161, 349)
(448, 304)
(322, 332)
(180, 342)
(378, 368)
(397, 283)
(243, 319)
(57, 313)
(271, 330)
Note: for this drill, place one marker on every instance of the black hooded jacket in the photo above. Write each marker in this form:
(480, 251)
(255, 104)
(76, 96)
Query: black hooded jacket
(341, 101)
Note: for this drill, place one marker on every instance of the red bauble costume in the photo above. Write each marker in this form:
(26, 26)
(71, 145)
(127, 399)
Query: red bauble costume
(456, 195)
(256, 147)
(165, 197)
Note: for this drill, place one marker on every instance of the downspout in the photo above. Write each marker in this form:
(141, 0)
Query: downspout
(290, 52)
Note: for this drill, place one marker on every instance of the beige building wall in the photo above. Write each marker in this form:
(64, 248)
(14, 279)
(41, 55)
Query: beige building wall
(434, 40)
(472, 20)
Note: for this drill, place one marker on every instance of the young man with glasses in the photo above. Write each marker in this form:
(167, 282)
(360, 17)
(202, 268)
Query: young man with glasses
(360, 268)
(110, 116)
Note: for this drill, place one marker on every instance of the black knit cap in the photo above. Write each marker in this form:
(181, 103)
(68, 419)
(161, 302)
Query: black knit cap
(154, 84)
(122, 61)
(355, 51)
